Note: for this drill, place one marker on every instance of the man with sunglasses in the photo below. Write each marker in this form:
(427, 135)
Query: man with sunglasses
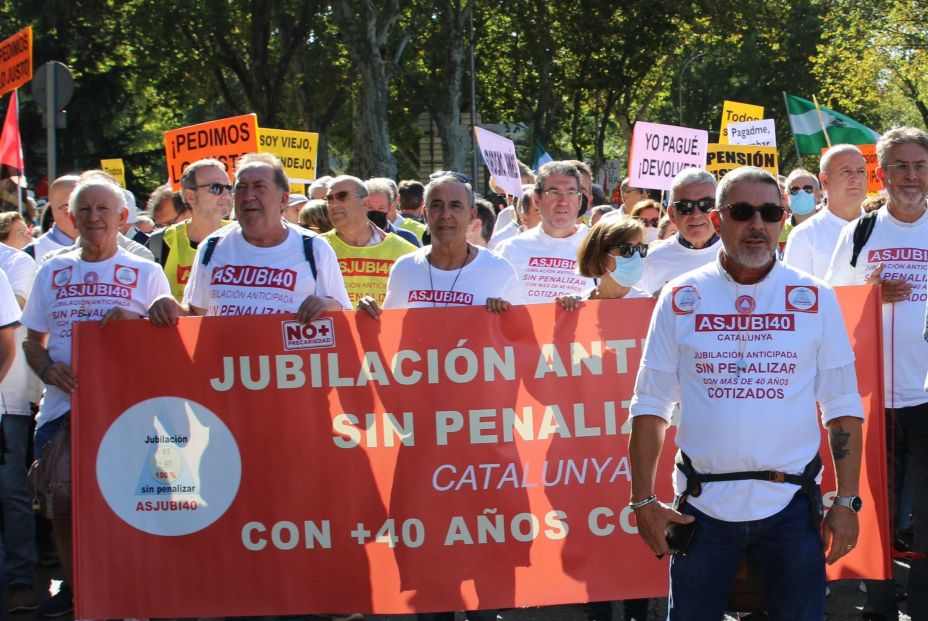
(747, 345)
(207, 192)
(545, 257)
(894, 255)
(692, 196)
(803, 195)
(843, 173)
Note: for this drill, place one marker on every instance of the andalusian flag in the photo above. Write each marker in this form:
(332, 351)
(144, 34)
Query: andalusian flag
(542, 157)
(807, 126)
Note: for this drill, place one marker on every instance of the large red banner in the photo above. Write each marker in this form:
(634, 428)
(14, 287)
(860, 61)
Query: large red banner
(432, 460)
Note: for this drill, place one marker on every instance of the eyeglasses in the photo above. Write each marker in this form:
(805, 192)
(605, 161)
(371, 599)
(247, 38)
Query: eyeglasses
(438, 174)
(808, 189)
(216, 189)
(906, 167)
(652, 222)
(685, 207)
(554, 195)
(743, 212)
(339, 196)
(626, 250)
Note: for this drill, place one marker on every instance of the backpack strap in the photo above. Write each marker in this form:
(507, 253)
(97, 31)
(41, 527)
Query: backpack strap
(862, 232)
(30, 250)
(308, 251)
(210, 249)
(156, 245)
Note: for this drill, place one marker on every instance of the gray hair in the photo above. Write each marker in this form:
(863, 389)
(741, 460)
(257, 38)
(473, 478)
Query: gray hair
(357, 183)
(744, 174)
(321, 182)
(381, 185)
(834, 151)
(264, 159)
(96, 181)
(188, 180)
(802, 172)
(562, 167)
(898, 136)
(434, 183)
(689, 176)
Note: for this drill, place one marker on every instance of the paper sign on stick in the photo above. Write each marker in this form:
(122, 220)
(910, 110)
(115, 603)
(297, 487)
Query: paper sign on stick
(659, 152)
(499, 153)
(115, 168)
(724, 158)
(16, 60)
(297, 151)
(753, 133)
(224, 139)
(735, 112)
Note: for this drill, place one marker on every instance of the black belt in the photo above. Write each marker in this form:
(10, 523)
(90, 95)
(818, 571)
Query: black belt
(695, 479)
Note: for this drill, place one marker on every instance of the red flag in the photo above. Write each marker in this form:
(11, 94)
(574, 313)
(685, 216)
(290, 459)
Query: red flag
(11, 145)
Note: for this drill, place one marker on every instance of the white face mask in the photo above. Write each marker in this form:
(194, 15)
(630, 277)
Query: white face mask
(802, 203)
(628, 271)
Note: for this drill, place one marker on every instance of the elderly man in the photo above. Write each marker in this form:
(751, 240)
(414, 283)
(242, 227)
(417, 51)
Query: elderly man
(298, 273)
(365, 252)
(62, 233)
(545, 257)
(382, 197)
(732, 498)
(843, 173)
(692, 197)
(166, 208)
(98, 281)
(889, 246)
(206, 190)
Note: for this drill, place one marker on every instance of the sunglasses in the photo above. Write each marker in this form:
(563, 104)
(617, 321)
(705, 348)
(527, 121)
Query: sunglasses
(743, 212)
(808, 189)
(338, 196)
(450, 173)
(216, 189)
(652, 222)
(685, 207)
(626, 250)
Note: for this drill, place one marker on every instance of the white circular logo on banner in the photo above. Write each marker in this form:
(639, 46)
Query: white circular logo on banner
(169, 466)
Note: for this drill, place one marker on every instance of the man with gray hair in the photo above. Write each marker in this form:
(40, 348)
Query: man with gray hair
(745, 477)
(365, 251)
(802, 192)
(318, 188)
(843, 173)
(545, 257)
(889, 246)
(692, 196)
(382, 199)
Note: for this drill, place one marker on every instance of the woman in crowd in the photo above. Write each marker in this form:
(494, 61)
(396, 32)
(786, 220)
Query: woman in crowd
(315, 217)
(648, 212)
(13, 230)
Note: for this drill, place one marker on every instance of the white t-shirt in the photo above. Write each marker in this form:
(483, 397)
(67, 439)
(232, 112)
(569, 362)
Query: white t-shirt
(748, 382)
(20, 386)
(68, 290)
(546, 265)
(9, 309)
(902, 248)
(504, 218)
(53, 240)
(415, 284)
(500, 235)
(243, 279)
(668, 258)
(810, 245)
(633, 292)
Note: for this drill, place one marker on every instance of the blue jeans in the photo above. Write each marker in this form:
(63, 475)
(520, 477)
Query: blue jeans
(18, 519)
(787, 548)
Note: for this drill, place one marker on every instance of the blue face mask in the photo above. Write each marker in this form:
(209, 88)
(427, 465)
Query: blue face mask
(802, 203)
(628, 271)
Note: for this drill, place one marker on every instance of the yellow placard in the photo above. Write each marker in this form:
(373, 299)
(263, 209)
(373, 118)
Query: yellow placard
(297, 150)
(723, 158)
(736, 112)
(115, 168)
(298, 188)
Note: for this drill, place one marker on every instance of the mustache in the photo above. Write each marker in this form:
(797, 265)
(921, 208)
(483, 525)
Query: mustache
(753, 235)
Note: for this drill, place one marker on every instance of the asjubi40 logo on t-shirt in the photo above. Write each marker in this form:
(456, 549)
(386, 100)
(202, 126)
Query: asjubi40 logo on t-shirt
(801, 299)
(313, 335)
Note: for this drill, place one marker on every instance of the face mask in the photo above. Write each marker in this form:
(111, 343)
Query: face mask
(650, 235)
(379, 218)
(802, 203)
(628, 271)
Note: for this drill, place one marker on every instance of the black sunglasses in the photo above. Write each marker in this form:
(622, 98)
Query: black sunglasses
(450, 173)
(216, 189)
(743, 212)
(808, 189)
(626, 250)
(685, 207)
(652, 222)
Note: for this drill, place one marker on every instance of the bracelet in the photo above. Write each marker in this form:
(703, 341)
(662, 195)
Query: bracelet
(641, 503)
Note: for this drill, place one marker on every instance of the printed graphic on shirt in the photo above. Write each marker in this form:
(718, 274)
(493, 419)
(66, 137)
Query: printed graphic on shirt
(908, 264)
(549, 277)
(461, 298)
(365, 277)
(802, 299)
(183, 274)
(684, 300)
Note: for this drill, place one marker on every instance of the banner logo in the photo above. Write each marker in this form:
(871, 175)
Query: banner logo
(314, 335)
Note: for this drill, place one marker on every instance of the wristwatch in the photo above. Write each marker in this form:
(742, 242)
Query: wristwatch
(854, 503)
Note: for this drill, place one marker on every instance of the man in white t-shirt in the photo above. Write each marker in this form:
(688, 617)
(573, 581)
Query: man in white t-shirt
(747, 346)
(844, 177)
(692, 196)
(895, 255)
(259, 264)
(527, 217)
(62, 233)
(545, 257)
(99, 281)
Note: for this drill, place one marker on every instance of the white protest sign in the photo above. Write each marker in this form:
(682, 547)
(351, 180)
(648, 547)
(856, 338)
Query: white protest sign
(499, 154)
(659, 152)
(753, 133)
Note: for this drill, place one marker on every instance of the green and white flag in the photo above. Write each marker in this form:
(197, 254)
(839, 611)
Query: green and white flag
(807, 126)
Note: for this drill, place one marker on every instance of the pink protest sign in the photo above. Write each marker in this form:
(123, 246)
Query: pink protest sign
(659, 152)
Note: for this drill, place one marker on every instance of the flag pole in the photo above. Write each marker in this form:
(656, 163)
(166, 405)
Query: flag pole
(792, 131)
(821, 121)
(22, 173)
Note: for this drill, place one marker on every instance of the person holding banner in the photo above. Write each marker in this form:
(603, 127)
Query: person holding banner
(283, 268)
(692, 196)
(97, 281)
(892, 254)
(747, 346)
